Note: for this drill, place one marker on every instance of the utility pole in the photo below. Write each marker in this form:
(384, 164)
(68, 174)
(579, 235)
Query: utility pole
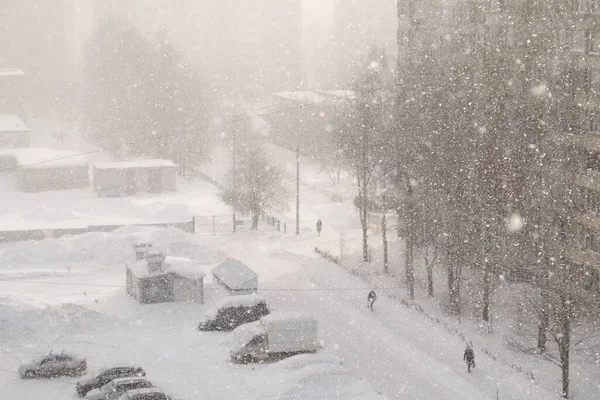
(297, 189)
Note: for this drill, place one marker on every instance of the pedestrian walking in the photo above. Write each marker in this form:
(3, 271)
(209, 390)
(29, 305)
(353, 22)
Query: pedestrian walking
(371, 299)
(319, 227)
(469, 357)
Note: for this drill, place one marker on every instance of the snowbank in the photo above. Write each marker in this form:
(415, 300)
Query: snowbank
(110, 249)
(314, 376)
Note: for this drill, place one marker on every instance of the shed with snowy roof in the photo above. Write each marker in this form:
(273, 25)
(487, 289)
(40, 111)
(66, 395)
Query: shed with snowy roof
(235, 277)
(13, 131)
(114, 179)
(162, 279)
(41, 169)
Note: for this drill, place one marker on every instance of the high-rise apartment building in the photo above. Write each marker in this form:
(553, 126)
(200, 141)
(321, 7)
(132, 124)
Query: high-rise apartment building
(533, 71)
(358, 26)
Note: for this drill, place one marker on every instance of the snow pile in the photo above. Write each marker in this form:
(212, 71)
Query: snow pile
(21, 322)
(313, 377)
(112, 249)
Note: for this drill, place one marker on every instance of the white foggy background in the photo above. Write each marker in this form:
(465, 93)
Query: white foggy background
(248, 48)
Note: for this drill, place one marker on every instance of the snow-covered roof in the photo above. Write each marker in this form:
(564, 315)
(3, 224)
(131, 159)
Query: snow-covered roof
(11, 72)
(12, 123)
(235, 275)
(316, 96)
(180, 265)
(47, 158)
(152, 163)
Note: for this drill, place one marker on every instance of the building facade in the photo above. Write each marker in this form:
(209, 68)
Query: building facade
(532, 70)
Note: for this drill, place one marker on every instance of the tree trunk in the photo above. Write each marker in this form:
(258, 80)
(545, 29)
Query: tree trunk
(255, 216)
(408, 252)
(363, 210)
(486, 291)
(385, 244)
(565, 341)
(429, 269)
(454, 276)
(544, 322)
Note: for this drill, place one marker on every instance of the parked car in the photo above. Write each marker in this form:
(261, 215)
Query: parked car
(115, 388)
(233, 311)
(144, 394)
(54, 365)
(276, 335)
(106, 376)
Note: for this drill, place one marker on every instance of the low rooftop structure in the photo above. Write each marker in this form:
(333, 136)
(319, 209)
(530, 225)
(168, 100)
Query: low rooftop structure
(13, 131)
(114, 179)
(42, 169)
(160, 279)
(235, 277)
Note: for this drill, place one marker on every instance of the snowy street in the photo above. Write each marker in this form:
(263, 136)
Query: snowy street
(399, 352)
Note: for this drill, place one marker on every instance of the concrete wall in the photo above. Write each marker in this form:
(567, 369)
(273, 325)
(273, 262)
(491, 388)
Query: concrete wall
(113, 182)
(52, 178)
(110, 182)
(14, 139)
(41, 234)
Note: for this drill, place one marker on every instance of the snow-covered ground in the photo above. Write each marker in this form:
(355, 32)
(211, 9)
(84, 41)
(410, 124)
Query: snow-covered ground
(68, 293)
(84, 309)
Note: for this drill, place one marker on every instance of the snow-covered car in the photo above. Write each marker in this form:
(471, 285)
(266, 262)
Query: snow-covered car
(144, 394)
(275, 336)
(115, 388)
(54, 365)
(233, 311)
(106, 376)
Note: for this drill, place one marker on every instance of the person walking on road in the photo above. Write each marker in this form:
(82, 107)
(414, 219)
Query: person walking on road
(319, 227)
(371, 299)
(469, 357)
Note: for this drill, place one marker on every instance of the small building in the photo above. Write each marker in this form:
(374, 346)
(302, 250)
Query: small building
(13, 132)
(115, 179)
(235, 277)
(40, 169)
(162, 279)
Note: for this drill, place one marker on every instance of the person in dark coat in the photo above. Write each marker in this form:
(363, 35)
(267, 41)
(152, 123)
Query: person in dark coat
(319, 227)
(469, 357)
(371, 299)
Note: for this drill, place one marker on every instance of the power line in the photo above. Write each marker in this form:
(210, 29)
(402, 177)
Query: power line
(148, 139)
(260, 290)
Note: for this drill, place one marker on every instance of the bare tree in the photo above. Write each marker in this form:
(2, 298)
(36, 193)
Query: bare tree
(256, 186)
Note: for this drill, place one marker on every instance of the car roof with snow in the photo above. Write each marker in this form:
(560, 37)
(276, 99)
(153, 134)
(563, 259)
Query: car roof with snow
(249, 300)
(129, 379)
(135, 392)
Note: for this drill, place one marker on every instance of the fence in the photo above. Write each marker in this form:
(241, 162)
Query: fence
(203, 225)
(216, 225)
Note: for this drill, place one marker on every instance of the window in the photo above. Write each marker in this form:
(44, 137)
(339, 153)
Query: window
(583, 6)
(497, 5)
(578, 40)
(592, 42)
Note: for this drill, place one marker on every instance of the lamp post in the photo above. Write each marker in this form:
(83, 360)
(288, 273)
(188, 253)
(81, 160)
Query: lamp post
(297, 189)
